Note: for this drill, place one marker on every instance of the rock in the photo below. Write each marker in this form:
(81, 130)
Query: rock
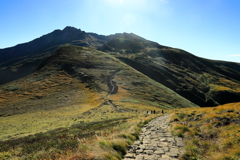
(156, 142)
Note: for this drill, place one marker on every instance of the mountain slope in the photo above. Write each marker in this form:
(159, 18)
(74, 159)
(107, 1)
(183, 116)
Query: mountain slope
(204, 82)
(68, 35)
(23, 59)
(75, 78)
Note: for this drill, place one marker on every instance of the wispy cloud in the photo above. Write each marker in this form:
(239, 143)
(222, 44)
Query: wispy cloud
(234, 55)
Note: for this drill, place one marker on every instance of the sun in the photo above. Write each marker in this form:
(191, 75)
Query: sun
(121, 1)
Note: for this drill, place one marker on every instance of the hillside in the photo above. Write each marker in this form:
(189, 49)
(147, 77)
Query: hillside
(82, 95)
(22, 59)
(203, 82)
(75, 77)
(209, 133)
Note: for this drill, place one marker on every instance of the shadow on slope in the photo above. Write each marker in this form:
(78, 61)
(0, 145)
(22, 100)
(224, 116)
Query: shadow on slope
(192, 77)
(73, 81)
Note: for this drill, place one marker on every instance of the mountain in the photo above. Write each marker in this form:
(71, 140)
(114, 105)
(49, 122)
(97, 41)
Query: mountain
(202, 81)
(68, 35)
(76, 95)
(73, 71)
(21, 60)
(78, 85)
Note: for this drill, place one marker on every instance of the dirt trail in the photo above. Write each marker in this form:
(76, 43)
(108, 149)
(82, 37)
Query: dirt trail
(156, 142)
(112, 85)
(113, 89)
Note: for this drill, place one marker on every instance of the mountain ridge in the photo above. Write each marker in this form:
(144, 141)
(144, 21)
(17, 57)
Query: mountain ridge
(194, 78)
(67, 101)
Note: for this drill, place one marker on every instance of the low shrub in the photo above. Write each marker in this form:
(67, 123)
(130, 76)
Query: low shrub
(179, 130)
(181, 115)
(120, 147)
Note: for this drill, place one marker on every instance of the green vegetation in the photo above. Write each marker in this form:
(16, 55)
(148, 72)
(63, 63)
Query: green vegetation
(60, 111)
(107, 139)
(11, 87)
(209, 133)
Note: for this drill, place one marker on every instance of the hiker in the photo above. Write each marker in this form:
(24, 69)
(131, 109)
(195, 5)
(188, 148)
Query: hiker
(162, 111)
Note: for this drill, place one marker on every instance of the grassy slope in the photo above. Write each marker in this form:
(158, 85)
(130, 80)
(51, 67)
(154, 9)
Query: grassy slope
(60, 96)
(52, 98)
(107, 139)
(209, 133)
(203, 82)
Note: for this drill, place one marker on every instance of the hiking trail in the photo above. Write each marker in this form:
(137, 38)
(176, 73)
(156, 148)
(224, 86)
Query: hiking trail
(156, 142)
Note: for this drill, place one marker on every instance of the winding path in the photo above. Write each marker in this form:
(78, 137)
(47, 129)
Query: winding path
(112, 87)
(110, 83)
(156, 142)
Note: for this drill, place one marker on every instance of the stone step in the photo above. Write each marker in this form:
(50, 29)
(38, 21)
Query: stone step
(156, 142)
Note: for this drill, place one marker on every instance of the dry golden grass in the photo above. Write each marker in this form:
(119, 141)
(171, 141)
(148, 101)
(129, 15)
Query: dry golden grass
(112, 143)
(66, 107)
(67, 118)
(109, 141)
(209, 133)
(225, 84)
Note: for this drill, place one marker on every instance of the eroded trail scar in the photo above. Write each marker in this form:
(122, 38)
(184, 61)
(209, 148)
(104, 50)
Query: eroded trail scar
(156, 142)
(111, 84)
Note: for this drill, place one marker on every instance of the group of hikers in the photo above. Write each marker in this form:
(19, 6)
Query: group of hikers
(154, 112)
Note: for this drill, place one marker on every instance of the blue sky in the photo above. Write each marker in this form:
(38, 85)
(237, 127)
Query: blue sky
(205, 28)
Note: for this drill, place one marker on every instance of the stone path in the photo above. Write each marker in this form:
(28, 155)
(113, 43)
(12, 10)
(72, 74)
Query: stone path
(156, 142)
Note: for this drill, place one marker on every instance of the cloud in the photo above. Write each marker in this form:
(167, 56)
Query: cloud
(234, 55)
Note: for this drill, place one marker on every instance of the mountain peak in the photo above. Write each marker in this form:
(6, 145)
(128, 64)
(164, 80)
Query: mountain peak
(70, 28)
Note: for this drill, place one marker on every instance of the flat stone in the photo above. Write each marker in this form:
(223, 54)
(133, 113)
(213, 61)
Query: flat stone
(146, 142)
(150, 147)
(159, 151)
(151, 157)
(166, 156)
(172, 154)
(141, 147)
(164, 143)
(165, 149)
(170, 139)
(154, 144)
(139, 157)
(174, 150)
(130, 155)
(136, 142)
(139, 151)
(149, 152)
